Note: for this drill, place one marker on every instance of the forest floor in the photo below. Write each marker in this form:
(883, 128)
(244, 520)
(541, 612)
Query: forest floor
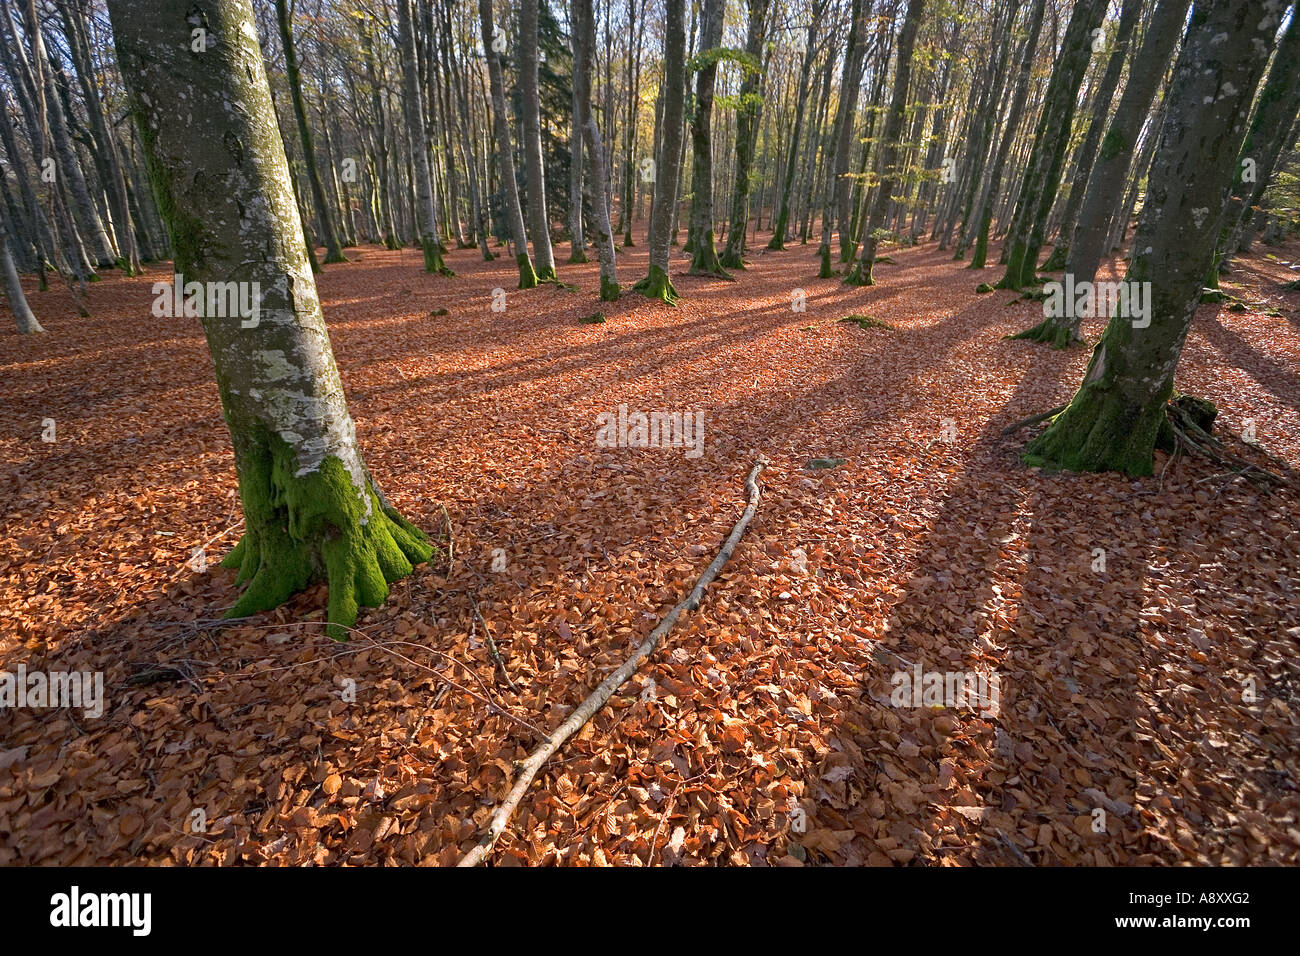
(1159, 686)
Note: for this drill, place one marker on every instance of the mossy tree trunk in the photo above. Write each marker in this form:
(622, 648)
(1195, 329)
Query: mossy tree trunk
(1051, 138)
(804, 84)
(597, 185)
(748, 110)
(837, 178)
(889, 151)
(1099, 110)
(1113, 420)
(538, 218)
(704, 259)
(658, 283)
(505, 153)
(426, 202)
(982, 127)
(329, 232)
(310, 507)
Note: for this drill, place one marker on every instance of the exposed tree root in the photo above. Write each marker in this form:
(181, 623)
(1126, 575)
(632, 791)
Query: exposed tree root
(657, 285)
(1051, 332)
(528, 769)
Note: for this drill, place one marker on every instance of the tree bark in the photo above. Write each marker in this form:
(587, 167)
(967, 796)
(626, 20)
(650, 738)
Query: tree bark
(329, 234)
(658, 284)
(1100, 109)
(505, 153)
(704, 256)
(311, 509)
(747, 119)
(1042, 178)
(861, 274)
(597, 184)
(1115, 419)
(426, 206)
(538, 218)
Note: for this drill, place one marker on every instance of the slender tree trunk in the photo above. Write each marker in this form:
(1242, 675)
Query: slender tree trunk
(505, 153)
(704, 259)
(1118, 415)
(110, 166)
(838, 186)
(23, 316)
(801, 101)
(1050, 141)
(311, 509)
(413, 103)
(1090, 237)
(889, 173)
(329, 234)
(1128, 19)
(583, 48)
(992, 187)
(539, 218)
(658, 284)
(747, 121)
(577, 241)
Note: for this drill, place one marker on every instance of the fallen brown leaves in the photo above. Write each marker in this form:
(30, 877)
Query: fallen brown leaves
(1161, 690)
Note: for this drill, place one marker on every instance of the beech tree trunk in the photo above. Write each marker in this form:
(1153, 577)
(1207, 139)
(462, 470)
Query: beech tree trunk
(704, 260)
(1100, 108)
(889, 152)
(658, 284)
(505, 153)
(538, 218)
(426, 203)
(1106, 180)
(801, 102)
(747, 120)
(1116, 417)
(329, 234)
(23, 316)
(597, 183)
(1267, 138)
(1051, 138)
(311, 509)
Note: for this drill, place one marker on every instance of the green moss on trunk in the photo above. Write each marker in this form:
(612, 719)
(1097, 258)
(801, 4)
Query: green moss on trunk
(860, 274)
(826, 271)
(732, 260)
(433, 258)
(705, 260)
(1056, 261)
(1100, 431)
(527, 277)
(657, 285)
(302, 528)
(609, 290)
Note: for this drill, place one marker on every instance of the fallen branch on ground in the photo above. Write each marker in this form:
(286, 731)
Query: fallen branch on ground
(529, 768)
